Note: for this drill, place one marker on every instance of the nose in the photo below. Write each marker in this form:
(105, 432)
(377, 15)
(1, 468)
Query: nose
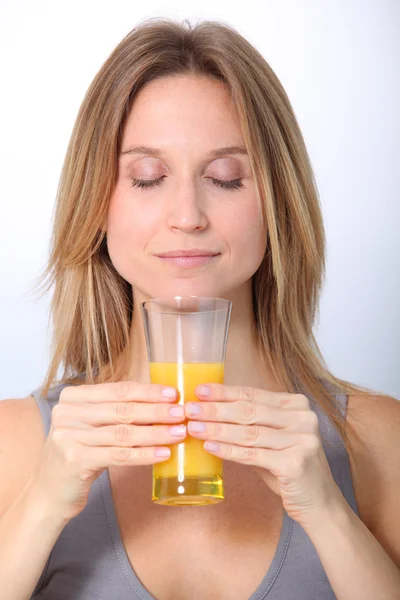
(186, 211)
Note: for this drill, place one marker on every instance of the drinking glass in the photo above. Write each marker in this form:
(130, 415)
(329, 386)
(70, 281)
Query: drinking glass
(186, 339)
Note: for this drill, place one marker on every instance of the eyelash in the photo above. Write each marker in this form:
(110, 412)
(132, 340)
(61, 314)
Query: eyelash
(227, 185)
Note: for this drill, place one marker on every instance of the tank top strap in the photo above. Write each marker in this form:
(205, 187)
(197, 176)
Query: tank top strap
(334, 447)
(46, 404)
(341, 398)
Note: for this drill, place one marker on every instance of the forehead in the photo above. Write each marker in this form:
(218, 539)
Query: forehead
(185, 105)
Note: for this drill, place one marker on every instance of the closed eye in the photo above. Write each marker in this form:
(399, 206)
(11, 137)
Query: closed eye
(228, 185)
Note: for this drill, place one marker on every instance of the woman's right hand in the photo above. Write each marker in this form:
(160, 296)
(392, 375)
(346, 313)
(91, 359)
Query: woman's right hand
(101, 425)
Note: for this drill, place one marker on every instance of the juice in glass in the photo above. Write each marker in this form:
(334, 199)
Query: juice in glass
(191, 475)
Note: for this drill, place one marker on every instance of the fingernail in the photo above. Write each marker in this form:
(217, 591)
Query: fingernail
(211, 446)
(193, 408)
(196, 426)
(169, 392)
(177, 430)
(177, 411)
(162, 452)
(203, 390)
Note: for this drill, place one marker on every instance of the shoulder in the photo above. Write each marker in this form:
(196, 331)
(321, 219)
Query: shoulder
(20, 405)
(375, 421)
(22, 437)
(21, 414)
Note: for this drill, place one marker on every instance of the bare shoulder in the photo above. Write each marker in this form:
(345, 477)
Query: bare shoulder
(375, 420)
(22, 438)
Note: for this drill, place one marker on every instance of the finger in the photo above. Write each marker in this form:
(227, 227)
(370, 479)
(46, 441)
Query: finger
(251, 413)
(250, 436)
(125, 435)
(101, 457)
(225, 393)
(273, 460)
(120, 391)
(83, 415)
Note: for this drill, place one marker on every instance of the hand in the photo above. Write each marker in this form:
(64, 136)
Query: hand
(96, 426)
(278, 435)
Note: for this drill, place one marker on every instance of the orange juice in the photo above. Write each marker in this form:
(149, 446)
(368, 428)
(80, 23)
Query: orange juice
(191, 475)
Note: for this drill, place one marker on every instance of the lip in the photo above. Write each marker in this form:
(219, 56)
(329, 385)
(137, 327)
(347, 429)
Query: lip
(184, 253)
(188, 258)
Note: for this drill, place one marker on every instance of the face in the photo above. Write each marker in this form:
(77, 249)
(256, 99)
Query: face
(186, 201)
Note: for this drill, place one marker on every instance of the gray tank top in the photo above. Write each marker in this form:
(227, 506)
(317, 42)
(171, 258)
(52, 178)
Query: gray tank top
(89, 562)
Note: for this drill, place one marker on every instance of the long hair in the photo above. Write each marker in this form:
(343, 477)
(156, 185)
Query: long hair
(92, 305)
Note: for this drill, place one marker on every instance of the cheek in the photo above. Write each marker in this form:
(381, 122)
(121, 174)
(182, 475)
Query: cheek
(129, 231)
(245, 233)
(128, 223)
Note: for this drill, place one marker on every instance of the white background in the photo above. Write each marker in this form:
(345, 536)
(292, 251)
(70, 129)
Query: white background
(339, 63)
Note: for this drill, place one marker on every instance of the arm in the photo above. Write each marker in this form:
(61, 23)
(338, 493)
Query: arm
(28, 532)
(28, 529)
(356, 563)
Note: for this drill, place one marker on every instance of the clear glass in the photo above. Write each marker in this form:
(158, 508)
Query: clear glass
(186, 341)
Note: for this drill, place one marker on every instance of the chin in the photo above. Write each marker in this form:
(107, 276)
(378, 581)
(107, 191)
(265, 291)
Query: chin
(187, 288)
(182, 288)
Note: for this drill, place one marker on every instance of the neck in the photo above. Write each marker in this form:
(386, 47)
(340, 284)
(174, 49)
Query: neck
(244, 363)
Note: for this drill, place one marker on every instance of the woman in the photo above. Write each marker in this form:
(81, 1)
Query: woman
(187, 142)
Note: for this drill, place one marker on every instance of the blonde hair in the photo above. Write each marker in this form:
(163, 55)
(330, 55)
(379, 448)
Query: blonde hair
(91, 307)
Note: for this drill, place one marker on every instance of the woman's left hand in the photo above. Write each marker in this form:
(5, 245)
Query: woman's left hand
(278, 435)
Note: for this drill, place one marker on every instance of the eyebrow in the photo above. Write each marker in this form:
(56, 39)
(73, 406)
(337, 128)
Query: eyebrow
(157, 152)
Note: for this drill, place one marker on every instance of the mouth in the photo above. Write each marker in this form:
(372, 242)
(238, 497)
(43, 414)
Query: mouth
(188, 259)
